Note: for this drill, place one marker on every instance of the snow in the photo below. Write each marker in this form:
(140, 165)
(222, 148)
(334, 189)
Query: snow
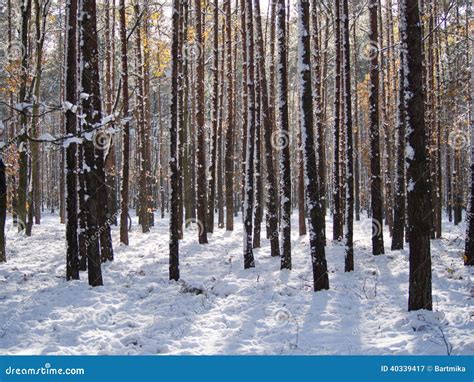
(219, 308)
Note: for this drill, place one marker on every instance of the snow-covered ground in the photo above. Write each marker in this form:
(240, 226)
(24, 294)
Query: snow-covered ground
(219, 308)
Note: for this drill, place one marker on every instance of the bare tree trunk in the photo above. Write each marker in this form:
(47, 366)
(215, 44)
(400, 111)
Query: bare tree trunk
(174, 169)
(313, 198)
(126, 128)
(229, 135)
(201, 130)
(284, 137)
(417, 161)
(267, 124)
(250, 146)
(376, 180)
(349, 215)
(72, 252)
(337, 202)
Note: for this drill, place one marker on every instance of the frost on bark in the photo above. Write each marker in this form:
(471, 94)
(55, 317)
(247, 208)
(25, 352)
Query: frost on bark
(419, 224)
(349, 187)
(284, 136)
(72, 255)
(250, 146)
(376, 179)
(173, 163)
(124, 191)
(314, 203)
(201, 129)
(271, 181)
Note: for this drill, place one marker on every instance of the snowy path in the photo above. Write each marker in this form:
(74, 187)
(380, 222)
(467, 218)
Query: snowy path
(261, 311)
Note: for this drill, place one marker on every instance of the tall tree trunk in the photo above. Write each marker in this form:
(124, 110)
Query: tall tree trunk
(417, 161)
(72, 252)
(215, 125)
(313, 198)
(376, 180)
(3, 211)
(399, 200)
(318, 102)
(142, 128)
(124, 192)
(258, 207)
(267, 125)
(174, 169)
(229, 135)
(284, 137)
(349, 215)
(201, 130)
(23, 97)
(250, 146)
(338, 83)
(91, 111)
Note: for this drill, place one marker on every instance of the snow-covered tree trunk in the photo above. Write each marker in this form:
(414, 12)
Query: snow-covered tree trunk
(72, 256)
(399, 197)
(313, 198)
(417, 161)
(319, 104)
(284, 136)
(469, 253)
(215, 115)
(201, 129)
(22, 190)
(250, 146)
(91, 121)
(124, 192)
(338, 221)
(3, 211)
(266, 115)
(142, 126)
(173, 163)
(349, 186)
(258, 195)
(229, 134)
(376, 179)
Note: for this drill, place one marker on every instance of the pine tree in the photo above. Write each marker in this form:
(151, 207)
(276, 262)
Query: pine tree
(91, 121)
(417, 161)
(200, 126)
(229, 135)
(400, 200)
(313, 198)
(284, 137)
(349, 215)
(3, 211)
(376, 180)
(124, 192)
(338, 221)
(72, 256)
(174, 169)
(250, 146)
(271, 181)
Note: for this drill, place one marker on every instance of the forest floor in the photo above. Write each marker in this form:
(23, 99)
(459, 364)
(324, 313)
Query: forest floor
(219, 308)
